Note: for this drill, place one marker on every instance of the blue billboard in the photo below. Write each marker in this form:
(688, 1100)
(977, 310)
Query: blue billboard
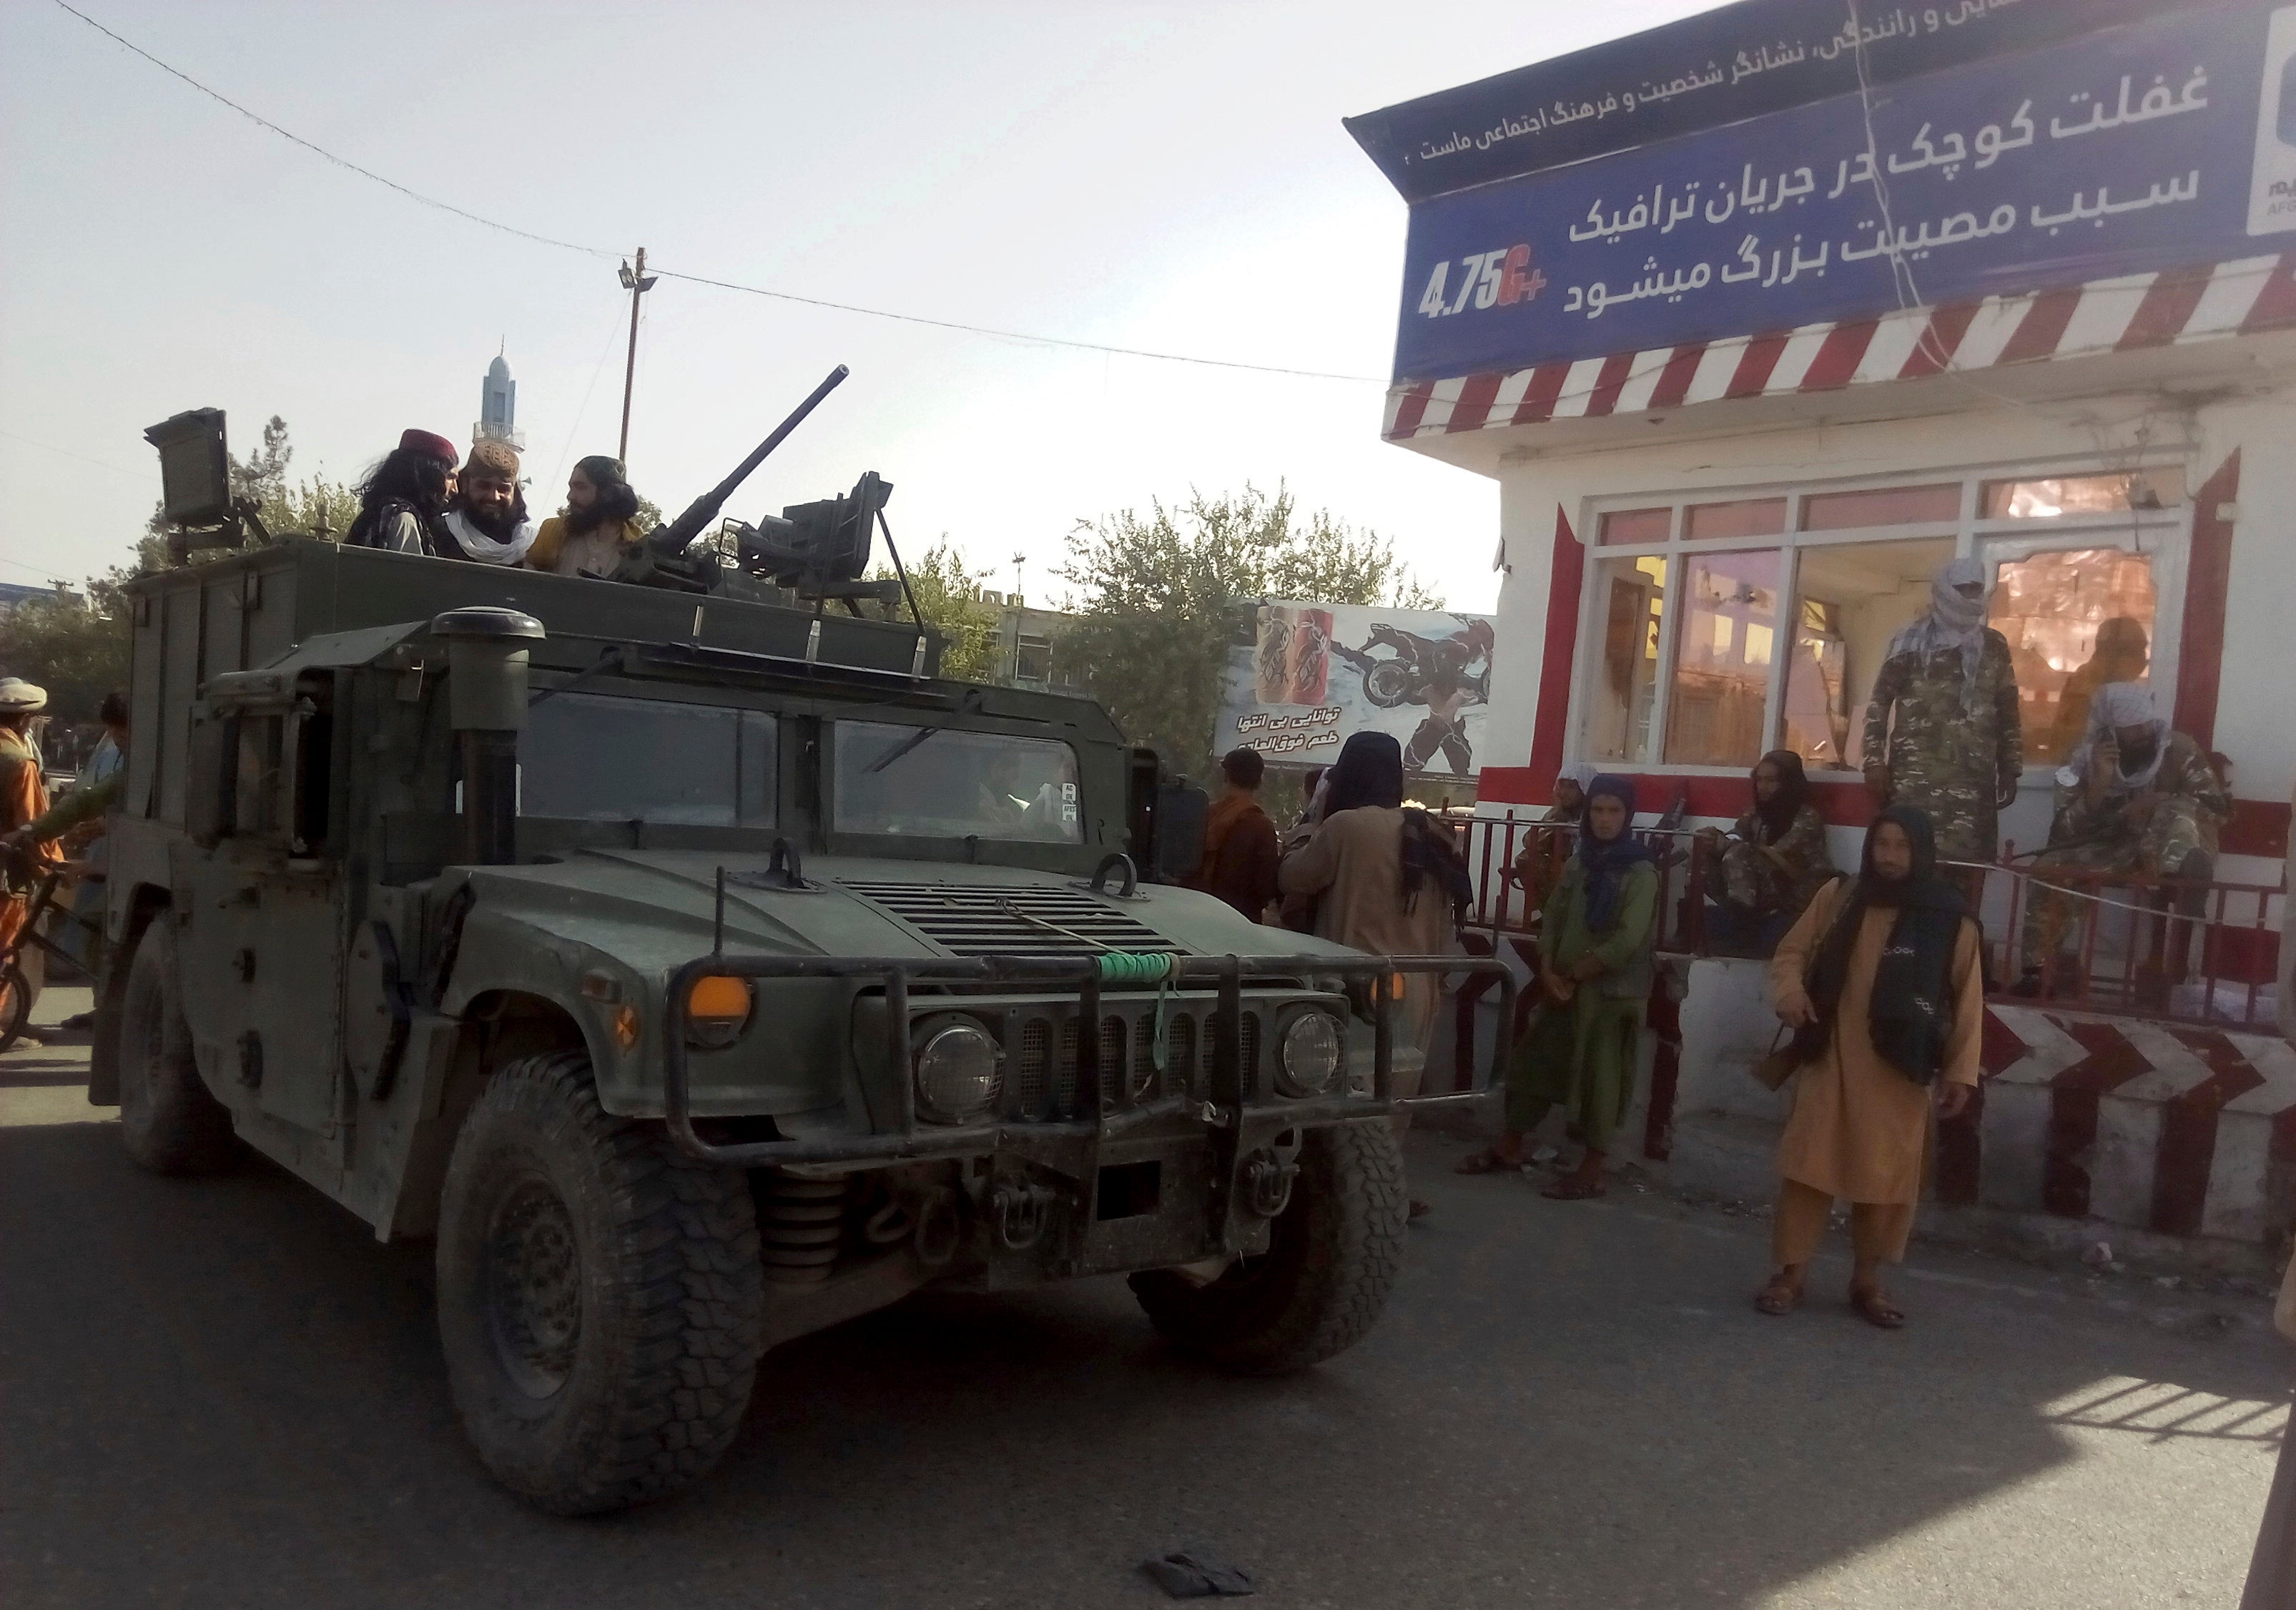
(2141, 147)
(1721, 66)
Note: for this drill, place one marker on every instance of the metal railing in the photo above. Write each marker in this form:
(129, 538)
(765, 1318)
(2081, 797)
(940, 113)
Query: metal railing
(2179, 949)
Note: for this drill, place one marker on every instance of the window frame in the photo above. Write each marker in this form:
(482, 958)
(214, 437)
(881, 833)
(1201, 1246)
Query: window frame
(2164, 536)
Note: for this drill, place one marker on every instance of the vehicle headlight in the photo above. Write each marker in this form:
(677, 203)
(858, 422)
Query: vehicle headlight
(959, 1070)
(716, 1010)
(1310, 1054)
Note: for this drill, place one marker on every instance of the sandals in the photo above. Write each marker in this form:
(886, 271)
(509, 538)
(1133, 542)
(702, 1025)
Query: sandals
(1485, 1161)
(1874, 1305)
(1778, 1296)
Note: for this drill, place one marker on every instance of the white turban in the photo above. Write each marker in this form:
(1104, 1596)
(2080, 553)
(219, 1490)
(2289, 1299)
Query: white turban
(2117, 705)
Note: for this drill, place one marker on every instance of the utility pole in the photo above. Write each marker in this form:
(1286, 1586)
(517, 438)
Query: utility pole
(1017, 561)
(637, 284)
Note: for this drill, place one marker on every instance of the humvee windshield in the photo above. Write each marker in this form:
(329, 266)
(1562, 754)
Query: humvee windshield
(955, 784)
(589, 757)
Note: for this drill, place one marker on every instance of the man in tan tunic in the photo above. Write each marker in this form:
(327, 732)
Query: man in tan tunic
(1882, 981)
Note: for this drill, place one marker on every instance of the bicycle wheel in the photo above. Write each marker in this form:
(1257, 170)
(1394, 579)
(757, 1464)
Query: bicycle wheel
(15, 1003)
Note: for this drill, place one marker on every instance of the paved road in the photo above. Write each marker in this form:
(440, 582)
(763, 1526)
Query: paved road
(223, 1393)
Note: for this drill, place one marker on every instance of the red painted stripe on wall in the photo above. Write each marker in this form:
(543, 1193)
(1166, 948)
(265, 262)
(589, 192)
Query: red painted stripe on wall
(2037, 334)
(1681, 369)
(2208, 582)
(2257, 827)
(1752, 376)
(2167, 307)
(1538, 399)
(1937, 342)
(2275, 303)
(1565, 576)
(1616, 370)
(1474, 408)
(1411, 410)
(1838, 356)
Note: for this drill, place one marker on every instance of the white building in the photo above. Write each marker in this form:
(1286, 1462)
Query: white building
(1756, 318)
(498, 406)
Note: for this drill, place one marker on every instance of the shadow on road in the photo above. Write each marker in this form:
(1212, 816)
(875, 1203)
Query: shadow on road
(224, 1392)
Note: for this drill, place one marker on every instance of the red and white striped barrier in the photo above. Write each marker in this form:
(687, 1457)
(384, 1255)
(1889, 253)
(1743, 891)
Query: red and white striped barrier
(2206, 302)
(2164, 1127)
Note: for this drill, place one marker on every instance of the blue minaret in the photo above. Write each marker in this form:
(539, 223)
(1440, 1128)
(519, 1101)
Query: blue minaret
(498, 406)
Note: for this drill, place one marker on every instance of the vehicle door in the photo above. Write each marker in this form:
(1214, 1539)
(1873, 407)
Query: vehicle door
(260, 944)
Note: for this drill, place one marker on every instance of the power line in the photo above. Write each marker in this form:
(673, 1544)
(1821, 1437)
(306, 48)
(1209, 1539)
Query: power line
(84, 458)
(783, 296)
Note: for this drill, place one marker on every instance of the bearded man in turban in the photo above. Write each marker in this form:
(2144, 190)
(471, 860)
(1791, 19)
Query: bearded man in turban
(1943, 735)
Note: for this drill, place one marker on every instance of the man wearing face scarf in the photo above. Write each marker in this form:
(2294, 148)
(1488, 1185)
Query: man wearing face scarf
(1594, 971)
(1943, 734)
(1882, 983)
(2135, 798)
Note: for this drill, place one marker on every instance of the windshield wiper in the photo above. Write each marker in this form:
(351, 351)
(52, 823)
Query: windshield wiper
(968, 704)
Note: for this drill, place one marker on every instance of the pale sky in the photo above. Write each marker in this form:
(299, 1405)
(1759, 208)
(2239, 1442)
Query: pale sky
(1164, 176)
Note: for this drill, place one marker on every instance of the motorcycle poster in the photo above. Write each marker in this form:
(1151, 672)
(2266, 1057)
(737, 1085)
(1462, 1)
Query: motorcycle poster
(1315, 674)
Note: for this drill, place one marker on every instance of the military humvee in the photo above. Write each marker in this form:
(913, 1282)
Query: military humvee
(701, 973)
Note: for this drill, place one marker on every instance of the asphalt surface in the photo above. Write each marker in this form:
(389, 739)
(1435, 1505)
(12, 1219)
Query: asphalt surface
(223, 1393)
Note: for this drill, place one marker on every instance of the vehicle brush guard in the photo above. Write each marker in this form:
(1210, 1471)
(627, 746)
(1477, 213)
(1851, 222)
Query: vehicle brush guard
(1222, 1106)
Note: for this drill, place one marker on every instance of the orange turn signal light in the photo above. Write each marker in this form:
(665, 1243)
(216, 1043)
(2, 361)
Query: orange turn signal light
(716, 997)
(716, 1010)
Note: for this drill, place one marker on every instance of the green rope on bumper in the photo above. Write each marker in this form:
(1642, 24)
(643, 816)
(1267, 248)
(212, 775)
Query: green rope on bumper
(1157, 967)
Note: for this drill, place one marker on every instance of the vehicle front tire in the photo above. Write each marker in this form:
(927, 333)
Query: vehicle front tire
(601, 1295)
(168, 1122)
(1332, 1259)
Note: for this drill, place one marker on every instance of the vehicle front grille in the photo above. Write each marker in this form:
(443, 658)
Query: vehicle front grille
(1024, 920)
(1044, 1050)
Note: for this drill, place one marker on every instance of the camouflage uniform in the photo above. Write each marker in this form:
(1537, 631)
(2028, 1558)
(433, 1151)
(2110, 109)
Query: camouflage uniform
(1946, 759)
(2106, 837)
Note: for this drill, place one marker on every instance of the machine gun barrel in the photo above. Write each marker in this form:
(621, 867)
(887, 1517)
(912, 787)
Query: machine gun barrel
(678, 534)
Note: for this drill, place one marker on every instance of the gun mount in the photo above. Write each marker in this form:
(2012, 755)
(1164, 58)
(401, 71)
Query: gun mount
(196, 496)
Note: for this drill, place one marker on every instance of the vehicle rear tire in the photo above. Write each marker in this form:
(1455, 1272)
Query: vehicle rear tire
(1332, 1260)
(1387, 683)
(168, 1122)
(601, 1295)
(15, 1003)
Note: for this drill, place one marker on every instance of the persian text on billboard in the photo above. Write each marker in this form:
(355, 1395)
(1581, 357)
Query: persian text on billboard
(2143, 147)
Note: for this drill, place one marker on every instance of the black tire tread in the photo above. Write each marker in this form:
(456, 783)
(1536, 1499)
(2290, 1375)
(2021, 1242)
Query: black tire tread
(169, 1122)
(1351, 1188)
(691, 1301)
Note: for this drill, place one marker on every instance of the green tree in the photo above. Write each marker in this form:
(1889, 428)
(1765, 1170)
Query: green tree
(1166, 597)
(72, 645)
(948, 597)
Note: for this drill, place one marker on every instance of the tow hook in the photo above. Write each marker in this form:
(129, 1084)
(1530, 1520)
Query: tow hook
(1020, 1213)
(1268, 1173)
(1267, 1183)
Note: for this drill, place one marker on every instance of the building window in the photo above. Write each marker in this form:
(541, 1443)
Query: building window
(1882, 506)
(1745, 517)
(1761, 619)
(1633, 592)
(2076, 620)
(2048, 499)
(1854, 598)
(1721, 683)
(1032, 658)
(1635, 526)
